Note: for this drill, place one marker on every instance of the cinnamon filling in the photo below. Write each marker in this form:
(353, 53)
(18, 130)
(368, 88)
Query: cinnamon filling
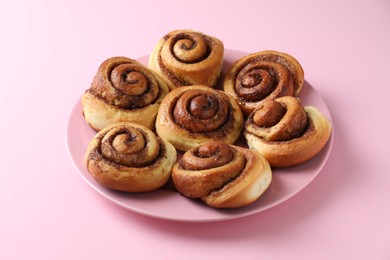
(278, 121)
(259, 79)
(210, 155)
(128, 147)
(170, 75)
(201, 111)
(203, 107)
(215, 165)
(284, 62)
(129, 81)
(255, 85)
(189, 48)
(181, 49)
(127, 86)
(269, 114)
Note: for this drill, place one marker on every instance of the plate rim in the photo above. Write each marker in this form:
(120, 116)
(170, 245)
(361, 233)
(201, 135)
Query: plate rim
(225, 217)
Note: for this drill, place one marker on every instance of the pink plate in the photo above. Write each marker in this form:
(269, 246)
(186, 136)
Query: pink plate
(167, 204)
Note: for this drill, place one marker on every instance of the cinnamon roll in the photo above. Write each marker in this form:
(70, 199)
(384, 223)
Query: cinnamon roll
(187, 57)
(285, 132)
(123, 90)
(261, 76)
(222, 175)
(189, 116)
(129, 157)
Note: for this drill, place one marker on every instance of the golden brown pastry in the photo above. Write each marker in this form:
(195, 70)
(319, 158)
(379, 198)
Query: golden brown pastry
(129, 157)
(189, 116)
(222, 175)
(285, 132)
(187, 57)
(123, 90)
(261, 76)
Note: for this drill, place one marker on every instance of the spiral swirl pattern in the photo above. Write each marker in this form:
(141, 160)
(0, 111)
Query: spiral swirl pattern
(197, 114)
(130, 146)
(221, 175)
(201, 111)
(126, 83)
(129, 157)
(123, 90)
(281, 120)
(209, 155)
(186, 47)
(186, 57)
(261, 76)
(285, 132)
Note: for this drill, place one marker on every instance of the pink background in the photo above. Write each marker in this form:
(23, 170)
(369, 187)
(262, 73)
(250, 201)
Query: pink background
(50, 51)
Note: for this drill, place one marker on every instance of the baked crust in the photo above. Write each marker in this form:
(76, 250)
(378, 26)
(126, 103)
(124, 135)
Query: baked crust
(187, 57)
(306, 140)
(189, 116)
(222, 175)
(129, 157)
(261, 76)
(123, 90)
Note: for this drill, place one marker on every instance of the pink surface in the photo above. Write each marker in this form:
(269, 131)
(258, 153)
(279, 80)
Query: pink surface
(50, 50)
